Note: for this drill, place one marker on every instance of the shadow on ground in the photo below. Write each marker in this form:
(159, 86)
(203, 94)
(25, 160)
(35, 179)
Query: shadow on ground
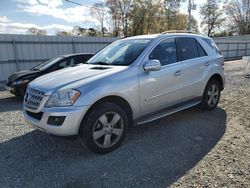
(10, 104)
(153, 155)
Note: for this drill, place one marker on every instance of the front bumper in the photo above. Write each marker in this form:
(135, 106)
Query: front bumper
(11, 89)
(70, 126)
(18, 90)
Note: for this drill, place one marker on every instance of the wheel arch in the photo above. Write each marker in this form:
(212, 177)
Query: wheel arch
(218, 78)
(120, 101)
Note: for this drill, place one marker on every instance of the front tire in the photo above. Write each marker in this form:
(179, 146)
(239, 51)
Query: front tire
(211, 95)
(104, 128)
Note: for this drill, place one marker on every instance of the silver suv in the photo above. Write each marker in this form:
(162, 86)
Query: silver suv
(131, 81)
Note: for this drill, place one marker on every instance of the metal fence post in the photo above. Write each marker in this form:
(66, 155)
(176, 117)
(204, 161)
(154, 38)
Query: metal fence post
(73, 46)
(15, 54)
(228, 50)
(237, 51)
(246, 49)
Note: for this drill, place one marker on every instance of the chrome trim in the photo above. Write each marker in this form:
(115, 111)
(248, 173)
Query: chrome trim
(33, 98)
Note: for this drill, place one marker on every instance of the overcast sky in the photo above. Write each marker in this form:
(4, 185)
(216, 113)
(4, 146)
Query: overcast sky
(16, 16)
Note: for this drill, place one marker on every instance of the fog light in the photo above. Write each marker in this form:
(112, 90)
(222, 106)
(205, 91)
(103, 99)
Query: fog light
(56, 120)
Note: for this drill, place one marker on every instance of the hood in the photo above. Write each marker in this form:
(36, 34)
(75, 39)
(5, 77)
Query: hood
(58, 79)
(20, 74)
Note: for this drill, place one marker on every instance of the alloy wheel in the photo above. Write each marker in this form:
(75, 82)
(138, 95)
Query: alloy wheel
(213, 95)
(108, 129)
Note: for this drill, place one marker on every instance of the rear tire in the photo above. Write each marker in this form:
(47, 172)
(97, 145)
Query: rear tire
(211, 95)
(104, 128)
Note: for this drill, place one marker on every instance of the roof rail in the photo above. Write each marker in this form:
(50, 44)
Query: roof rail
(179, 31)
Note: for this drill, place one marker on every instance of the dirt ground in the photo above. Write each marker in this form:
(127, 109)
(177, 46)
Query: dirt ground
(228, 163)
(191, 148)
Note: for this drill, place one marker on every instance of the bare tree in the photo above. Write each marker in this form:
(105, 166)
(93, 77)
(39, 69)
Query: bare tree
(63, 33)
(79, 31)
(92, 32)
(120, 10)
(42, 32)
(239, 13)
(35, 31)
(99, 13)
(115, 15)
(125, 8)
(211, 16)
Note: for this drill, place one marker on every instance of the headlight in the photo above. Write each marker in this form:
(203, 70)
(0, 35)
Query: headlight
(63, 98)
(18, 82)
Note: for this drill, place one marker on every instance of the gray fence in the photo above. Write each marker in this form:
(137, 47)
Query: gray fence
(234, 50)
(234, 47)
(19, 52)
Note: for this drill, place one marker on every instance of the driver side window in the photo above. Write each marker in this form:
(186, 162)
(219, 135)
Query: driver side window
(62, 64)
(59, 65)
(165, 52)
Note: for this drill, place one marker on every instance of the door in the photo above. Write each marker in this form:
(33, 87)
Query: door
(194, 60)
(163, 88)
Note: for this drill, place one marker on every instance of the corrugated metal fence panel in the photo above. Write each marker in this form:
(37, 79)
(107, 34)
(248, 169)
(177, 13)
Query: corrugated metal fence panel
(234, 47)
(19, 52)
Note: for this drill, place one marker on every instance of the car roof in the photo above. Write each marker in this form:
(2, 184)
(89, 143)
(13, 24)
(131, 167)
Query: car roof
(159, 35)
(150, 36)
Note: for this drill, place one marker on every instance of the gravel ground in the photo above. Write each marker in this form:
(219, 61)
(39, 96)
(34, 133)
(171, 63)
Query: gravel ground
(191, 148)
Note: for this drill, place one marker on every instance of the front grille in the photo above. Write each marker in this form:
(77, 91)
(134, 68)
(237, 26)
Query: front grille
(37, 116)
(33, 98)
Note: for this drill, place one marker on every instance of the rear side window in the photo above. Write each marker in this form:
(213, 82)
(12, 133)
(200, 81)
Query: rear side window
(212, 44)
(201, 51)
(187, 48)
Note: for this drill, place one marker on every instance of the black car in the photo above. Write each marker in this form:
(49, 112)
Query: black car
(17, 82)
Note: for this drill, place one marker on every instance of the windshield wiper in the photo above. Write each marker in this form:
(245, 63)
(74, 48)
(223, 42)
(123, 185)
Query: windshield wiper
(36, 69)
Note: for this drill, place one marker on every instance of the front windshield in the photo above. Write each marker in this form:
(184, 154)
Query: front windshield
(122, 52)
(44, 65)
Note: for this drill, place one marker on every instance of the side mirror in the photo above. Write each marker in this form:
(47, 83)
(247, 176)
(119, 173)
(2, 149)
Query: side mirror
(152, 65)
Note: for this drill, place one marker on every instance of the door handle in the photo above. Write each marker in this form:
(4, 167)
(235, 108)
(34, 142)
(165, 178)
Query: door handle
(207, 63)
(177, 73)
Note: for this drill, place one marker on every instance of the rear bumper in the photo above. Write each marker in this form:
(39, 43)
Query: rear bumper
(70, 125)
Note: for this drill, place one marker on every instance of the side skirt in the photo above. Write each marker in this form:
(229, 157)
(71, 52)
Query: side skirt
(167, 111)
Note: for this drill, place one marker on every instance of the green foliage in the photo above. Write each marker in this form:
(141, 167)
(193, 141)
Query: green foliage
(147, 16)
(135, 17)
